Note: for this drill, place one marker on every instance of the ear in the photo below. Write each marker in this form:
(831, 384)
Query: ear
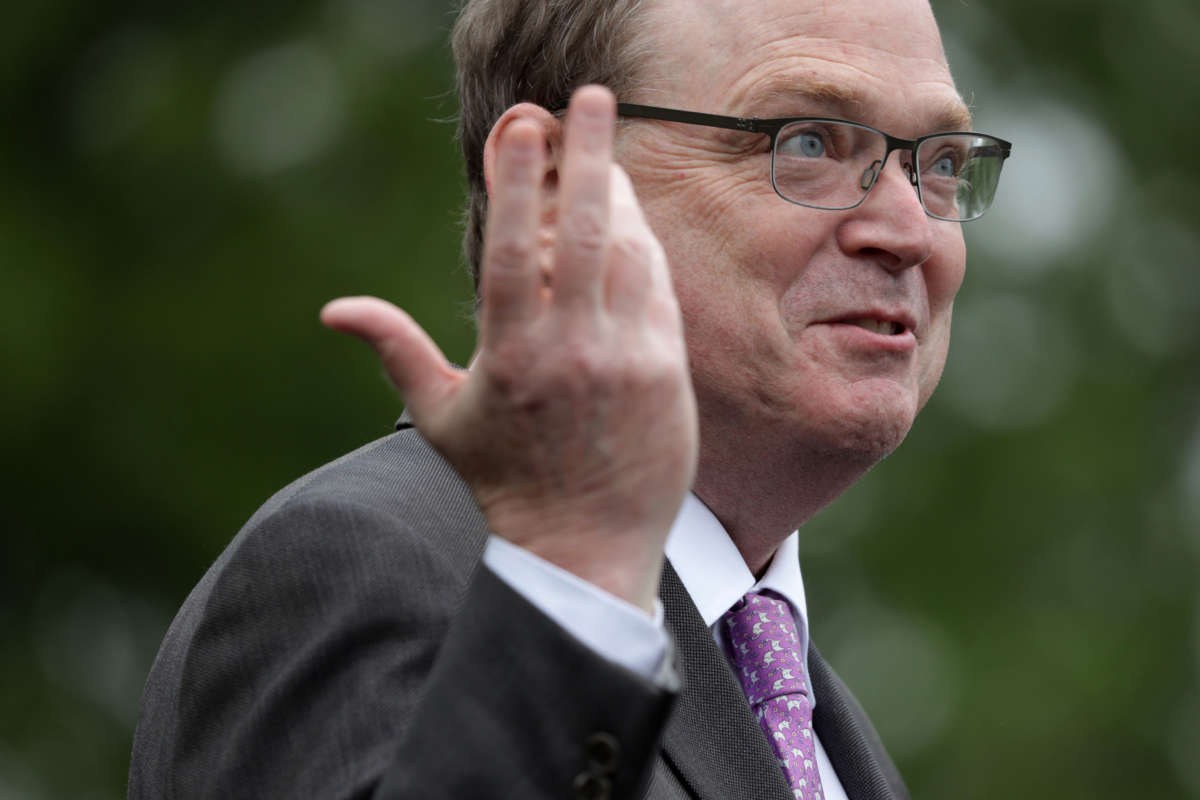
(552, 132)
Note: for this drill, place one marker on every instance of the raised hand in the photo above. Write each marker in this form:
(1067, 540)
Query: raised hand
(576, 424)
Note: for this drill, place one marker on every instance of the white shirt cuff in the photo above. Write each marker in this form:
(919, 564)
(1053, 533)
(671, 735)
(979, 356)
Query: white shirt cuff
(609, 626)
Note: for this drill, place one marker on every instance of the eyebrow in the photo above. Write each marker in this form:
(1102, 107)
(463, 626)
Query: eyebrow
(841, 100)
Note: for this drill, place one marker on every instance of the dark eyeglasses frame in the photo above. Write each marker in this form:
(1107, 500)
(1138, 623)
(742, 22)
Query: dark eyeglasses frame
(771, 127)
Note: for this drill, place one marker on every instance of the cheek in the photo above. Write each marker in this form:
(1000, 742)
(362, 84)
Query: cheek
(943, 279)
(933, 358)
(722, 270)
(944, 275)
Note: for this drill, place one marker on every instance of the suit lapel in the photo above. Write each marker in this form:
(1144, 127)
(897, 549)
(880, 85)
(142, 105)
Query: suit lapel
(712, 739)
(714, 743)
(849, 739)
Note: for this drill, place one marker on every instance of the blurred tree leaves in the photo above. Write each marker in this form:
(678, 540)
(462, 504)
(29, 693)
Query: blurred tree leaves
(1013, 593)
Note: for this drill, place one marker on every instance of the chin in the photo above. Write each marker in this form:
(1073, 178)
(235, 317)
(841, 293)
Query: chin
(864, 429)
(855, 423)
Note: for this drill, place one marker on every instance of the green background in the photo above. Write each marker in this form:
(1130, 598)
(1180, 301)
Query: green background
(1013, 594)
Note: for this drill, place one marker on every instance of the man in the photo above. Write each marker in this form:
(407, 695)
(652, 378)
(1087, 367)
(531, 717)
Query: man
(349, 643)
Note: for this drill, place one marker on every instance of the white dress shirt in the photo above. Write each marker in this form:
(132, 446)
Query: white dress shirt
(710, 568)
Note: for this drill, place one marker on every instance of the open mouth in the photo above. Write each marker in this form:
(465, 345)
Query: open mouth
(883, 327)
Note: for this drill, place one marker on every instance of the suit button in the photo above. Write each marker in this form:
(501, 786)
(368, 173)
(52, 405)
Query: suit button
(603, 752)
(590, 786)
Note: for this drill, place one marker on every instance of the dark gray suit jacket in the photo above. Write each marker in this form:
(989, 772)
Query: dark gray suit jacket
(348, 644)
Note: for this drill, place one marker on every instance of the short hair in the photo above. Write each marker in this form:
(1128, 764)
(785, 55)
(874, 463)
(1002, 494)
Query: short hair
(538, 51)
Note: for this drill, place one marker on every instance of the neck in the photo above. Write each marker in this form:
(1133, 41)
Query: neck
(762, 497)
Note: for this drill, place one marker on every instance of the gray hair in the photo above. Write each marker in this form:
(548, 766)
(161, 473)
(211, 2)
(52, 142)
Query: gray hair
(538, 51)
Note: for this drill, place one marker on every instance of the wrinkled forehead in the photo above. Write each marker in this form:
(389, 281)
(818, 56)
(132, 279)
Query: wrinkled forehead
(875, 61)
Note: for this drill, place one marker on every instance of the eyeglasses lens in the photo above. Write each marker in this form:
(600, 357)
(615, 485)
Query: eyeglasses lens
(833, 165)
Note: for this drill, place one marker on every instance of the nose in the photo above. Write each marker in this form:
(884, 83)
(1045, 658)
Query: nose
(890, 224)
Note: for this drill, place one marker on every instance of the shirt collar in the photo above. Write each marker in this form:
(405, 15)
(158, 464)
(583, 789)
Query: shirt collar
(714, 574)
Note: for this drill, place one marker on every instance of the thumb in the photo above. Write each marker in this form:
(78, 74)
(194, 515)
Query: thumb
(414, 363)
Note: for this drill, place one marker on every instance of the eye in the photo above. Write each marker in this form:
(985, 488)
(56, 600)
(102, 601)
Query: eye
(944, 167)
(807, 144)
(944, 157)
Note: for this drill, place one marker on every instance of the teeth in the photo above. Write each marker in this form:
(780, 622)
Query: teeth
(884, 327)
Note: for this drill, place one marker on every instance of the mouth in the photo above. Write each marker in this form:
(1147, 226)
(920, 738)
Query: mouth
(889, 331)
(883, 327)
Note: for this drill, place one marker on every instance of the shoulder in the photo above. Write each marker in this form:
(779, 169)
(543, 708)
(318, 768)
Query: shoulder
(346, 580)
(391, 507)
(351, 530)
(398, 477)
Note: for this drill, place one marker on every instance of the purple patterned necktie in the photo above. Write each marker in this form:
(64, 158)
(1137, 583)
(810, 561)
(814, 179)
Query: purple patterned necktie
(767, 658)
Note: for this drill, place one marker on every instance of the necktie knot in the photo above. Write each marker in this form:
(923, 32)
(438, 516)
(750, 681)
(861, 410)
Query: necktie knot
(765, 648)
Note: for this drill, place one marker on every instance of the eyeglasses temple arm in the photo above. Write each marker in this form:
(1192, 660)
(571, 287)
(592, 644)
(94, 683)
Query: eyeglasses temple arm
(751, 124)
(1000, 149)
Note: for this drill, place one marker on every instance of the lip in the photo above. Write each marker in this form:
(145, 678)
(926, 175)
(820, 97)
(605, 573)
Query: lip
(902, 318)
(901, 342)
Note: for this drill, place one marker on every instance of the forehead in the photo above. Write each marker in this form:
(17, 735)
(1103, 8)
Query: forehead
(874, 61)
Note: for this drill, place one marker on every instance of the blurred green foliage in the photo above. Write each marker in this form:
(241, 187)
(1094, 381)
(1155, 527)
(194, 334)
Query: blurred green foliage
(1013, 594)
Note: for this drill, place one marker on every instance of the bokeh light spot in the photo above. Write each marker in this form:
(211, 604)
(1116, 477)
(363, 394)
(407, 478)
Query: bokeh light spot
(1059, 186)
(889, 650)
(390, 29)
(1190, 489)
(93, 642)
(1011, 362)
(1183, 742)
(1153, 283)
(279, 108)
(119, 83)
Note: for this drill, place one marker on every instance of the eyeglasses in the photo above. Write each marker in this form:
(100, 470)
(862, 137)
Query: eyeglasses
(832, 163)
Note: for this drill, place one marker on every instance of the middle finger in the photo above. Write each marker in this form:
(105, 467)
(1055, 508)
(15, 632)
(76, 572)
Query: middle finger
(583, 223)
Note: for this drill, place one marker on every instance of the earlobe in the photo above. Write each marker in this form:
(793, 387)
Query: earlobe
(551, 128)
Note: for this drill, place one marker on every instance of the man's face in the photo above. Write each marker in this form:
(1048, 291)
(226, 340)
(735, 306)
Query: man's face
(791, 312)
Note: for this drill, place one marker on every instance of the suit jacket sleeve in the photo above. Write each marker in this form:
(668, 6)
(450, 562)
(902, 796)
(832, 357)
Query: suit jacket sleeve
(522, 709)
(347, 645)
